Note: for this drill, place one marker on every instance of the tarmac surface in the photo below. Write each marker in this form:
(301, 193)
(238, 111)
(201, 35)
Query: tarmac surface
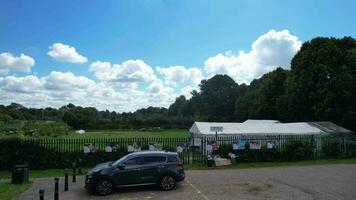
(309, 182)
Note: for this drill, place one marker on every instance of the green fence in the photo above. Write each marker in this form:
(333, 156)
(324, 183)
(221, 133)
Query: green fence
(60, 153)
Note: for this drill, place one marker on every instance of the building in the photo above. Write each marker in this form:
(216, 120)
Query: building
(262, 129)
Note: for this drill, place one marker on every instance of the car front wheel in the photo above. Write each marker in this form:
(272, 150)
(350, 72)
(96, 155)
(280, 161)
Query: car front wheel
(104, 187)
(167, 183)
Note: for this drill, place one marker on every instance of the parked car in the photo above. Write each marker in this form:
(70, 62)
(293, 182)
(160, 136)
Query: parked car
(161, 168)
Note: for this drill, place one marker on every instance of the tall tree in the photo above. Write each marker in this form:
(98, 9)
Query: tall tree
(322, 85)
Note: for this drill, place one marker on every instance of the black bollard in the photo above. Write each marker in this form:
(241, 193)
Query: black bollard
(41, 194)
(56, 195)
(66, 181)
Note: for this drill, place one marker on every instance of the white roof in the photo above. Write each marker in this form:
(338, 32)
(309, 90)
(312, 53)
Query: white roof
(250, 127)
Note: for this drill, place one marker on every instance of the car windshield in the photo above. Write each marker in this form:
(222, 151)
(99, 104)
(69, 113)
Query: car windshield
(120, 160)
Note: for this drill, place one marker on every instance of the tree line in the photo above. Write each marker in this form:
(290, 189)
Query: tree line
(320, 86)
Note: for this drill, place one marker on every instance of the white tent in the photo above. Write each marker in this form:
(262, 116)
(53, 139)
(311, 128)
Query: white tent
(80, 132)
(254, 127)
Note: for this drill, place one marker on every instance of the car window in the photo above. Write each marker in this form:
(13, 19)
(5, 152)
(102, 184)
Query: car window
(172, 159)
(154, 159)
(134, 161)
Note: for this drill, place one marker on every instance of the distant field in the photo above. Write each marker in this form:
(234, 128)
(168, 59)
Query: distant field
(125, 134)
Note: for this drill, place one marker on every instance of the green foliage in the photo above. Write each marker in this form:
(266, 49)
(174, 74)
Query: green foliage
(297, 150)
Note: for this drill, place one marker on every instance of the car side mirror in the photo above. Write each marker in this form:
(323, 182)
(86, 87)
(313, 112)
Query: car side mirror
(121, 166)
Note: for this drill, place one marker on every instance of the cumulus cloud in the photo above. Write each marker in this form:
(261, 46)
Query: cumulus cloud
(60, 88)
(128, 71)
(11, 63)
(174, 75)
(186, 91)
(65, 53)
(271, 50)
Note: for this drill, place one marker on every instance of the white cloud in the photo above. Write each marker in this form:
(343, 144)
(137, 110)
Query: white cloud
(271, 50)
(11, 63)
(129, 71)
(174, 75)
(65, 53)
(186, 91)
(60, 88)
(133, 84)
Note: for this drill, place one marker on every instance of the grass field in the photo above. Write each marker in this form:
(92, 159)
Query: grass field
(172, 133)
(9, 191)
(125, 134)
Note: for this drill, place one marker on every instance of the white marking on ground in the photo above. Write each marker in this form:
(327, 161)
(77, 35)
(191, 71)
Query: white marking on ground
(197, 190)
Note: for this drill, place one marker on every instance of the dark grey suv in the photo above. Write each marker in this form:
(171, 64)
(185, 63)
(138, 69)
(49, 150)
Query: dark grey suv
(140, 168)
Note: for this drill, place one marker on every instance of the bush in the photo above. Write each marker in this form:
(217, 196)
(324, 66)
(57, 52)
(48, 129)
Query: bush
(14, 151)
(297, 150)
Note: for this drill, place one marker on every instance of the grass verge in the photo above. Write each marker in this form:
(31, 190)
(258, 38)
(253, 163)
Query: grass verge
(41, 173)
(10, 191)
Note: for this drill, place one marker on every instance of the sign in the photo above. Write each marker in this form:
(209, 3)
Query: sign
(255, 144)
(151, 147)
(130, 148)
(216, 129)
(272, 144)
(179, 149)
(86, 149)
(108, 149)
(209, 148)
(136, 147)
(239, 145)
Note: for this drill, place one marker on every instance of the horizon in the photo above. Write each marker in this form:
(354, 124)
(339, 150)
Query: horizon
(127, 55)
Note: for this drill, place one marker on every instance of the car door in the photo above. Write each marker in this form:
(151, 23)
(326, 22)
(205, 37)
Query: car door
(152, 167)
(129, 172)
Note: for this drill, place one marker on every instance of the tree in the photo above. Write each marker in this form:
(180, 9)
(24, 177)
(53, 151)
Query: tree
(216, 99)
(322, 85)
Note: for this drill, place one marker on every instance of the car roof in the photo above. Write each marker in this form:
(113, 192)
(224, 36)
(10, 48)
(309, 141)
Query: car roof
(152, 153)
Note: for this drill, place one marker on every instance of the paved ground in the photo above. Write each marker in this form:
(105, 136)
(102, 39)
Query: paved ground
(311, 182)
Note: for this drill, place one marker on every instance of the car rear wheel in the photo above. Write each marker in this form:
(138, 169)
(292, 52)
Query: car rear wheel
(167, 183)
(104, 187)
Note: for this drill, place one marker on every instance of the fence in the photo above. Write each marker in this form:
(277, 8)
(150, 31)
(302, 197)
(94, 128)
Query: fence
(321, 146)
(77, 144)
(59, 153)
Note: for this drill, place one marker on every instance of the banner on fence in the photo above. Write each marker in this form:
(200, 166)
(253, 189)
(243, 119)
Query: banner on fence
(239, 145)
(272, 144)
(255, 144)
(133, 147)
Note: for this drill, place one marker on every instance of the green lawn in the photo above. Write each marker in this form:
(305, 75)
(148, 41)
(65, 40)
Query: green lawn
(172, 133)
(10, 191)
(41, 173)
(129, 133)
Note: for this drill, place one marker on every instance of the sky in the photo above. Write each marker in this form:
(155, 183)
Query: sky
(126, 55)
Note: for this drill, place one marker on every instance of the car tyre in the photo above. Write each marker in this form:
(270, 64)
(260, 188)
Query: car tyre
(104, 187)
(167, 183)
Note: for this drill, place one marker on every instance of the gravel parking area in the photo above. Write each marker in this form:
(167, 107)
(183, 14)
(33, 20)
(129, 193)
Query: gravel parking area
(310, 182)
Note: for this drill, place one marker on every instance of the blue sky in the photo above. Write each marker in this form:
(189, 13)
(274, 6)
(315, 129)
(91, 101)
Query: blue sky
(161, 34)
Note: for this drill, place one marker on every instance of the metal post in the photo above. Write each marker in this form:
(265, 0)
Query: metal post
(56, 188)
(41, 194)
(66, 181)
